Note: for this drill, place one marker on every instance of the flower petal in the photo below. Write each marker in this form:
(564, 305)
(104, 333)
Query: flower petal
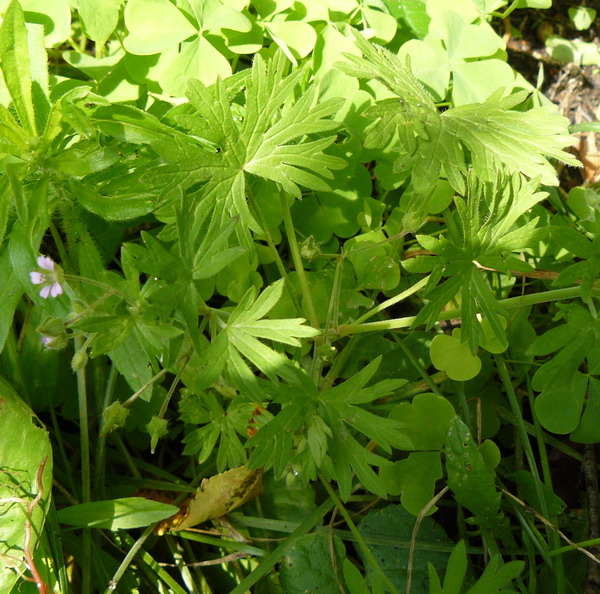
(45, 263)
(45, 292)
(37, 278)
(55, 290)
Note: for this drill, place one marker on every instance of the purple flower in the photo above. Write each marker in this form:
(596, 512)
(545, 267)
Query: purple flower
(49, 276)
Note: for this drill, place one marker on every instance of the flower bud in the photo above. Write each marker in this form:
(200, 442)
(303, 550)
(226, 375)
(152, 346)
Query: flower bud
(115, 416)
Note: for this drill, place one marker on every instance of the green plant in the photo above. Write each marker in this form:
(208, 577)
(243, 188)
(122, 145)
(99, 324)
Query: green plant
(215, 262)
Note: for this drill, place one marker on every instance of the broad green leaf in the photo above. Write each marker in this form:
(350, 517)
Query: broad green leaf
(25, 475)
(559, 406)
(582, 16)
(414, 479)
(295, 38)
(529, 489)
(132, 363)
(426, 420)
(308, 566)
(53, 15)
(154, 25)
(470, 479)
(429, 64)
(116, 514)
(113, 208)
(355, 582)
(199, 60)
(383, 24)
(450, 354)
(11, 291)
(392, 525)
(588, 429)
(475, 82)
(414, 13)
(100, 17)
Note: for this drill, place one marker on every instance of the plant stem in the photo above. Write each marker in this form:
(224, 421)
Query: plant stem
(516, 410)
(84, 445)
(299, 267)
(268, 562)
(512, 302)
(393, 300)
(114, 582)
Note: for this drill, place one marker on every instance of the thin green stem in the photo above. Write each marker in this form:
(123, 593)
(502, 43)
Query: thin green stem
(114, 582)
(84, 446)
(417, 365)
(516, 410)
(62, 252)
(151, 382)
(511, 303)
(393, 300)
(99, 284)
(299, 267)
(101, 445)
(273, 248)
(267, 563)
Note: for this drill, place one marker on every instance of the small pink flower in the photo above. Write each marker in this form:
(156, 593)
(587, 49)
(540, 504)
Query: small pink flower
(49, 275)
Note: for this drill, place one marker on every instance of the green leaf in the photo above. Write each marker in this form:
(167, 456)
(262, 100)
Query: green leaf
(15, 64)
(295, 38)
(456, 570)
(245, 326)
(414, 479)
(489, 135)
(132, 363)
(582, 17)
(100, 17)
(119, 207)
(154, 26)
(426, 420)
(496, 576)
(116, 514)
(559, 406)
(355, 582)
(588, 429)
(470, 479)
(308, 567)
(450, 354)
(52, 16)
(286, 146)
(392, 525)
(10, 294)
(415, 14)
(26, 473)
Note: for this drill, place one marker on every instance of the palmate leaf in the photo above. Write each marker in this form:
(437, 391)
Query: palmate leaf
(486, 136)
(487, 229)
(331, 430)
(239, 342)
(278, 138)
